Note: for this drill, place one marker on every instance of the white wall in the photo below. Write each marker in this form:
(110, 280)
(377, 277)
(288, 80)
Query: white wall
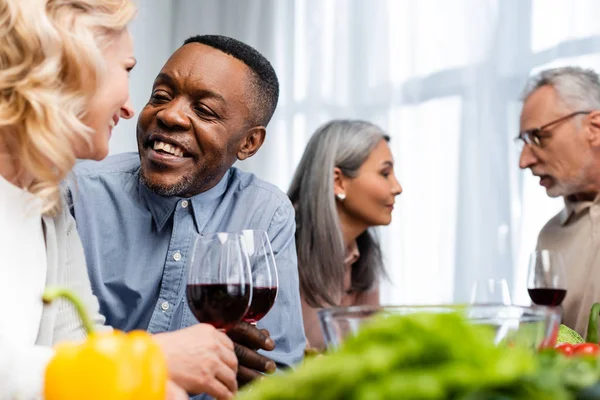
(442, 76)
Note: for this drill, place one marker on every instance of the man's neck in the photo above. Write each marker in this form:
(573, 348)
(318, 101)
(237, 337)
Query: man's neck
(584, 196)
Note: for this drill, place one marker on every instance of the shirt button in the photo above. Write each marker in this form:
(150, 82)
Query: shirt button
(165, 305)
(177, 256)
(184, 204)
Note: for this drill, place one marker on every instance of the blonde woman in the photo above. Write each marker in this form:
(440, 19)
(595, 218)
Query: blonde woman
(56, 105)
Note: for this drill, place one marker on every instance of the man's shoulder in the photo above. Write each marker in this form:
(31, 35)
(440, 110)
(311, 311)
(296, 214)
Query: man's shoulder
(125, 163)
(554, 224)
(115, 174)
(249, 184)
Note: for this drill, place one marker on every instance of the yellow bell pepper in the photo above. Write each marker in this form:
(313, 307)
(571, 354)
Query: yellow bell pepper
(113, 365)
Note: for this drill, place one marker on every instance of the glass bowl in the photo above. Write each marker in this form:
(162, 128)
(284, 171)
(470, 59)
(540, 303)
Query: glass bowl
(533, 327)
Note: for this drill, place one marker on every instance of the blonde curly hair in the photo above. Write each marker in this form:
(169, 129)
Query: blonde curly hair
(51, 62)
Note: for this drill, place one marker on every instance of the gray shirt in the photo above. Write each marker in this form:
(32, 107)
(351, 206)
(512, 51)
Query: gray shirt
(137, 245)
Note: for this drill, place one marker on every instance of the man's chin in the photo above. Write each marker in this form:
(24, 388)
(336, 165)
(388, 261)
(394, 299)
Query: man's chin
(553, 194)
(556, 190)
(163, 184)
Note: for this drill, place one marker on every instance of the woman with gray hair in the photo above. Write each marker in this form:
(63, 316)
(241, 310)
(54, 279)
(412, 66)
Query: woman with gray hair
(344, 185)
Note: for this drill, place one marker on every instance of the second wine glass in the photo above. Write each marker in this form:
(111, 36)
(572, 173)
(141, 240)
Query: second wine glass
(546, 280)
(490, 291)
(264, 274)
(219, 286)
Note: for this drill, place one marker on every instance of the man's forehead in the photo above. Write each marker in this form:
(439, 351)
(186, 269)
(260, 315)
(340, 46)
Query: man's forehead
(542, 103)
(196, 59)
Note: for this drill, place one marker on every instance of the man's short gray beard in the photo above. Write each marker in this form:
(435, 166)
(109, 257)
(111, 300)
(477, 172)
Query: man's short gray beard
(574, 185)
(177, 190)
(183, 188)
(558, 190)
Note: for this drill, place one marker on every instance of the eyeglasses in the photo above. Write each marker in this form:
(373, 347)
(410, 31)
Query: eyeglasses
(534, 136)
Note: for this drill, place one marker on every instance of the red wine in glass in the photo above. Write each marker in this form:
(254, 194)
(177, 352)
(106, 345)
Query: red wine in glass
(221, 305)
(263, 299)
(546, 280)
(219, 285)
(264, 274)
(547, 297)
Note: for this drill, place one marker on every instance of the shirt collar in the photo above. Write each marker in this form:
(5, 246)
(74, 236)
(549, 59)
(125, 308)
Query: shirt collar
(202, 202)
(352, 254)
(162, 207)
(574, 207)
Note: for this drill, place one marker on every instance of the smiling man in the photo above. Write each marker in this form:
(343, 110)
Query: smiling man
(560, 134)
(137, 214)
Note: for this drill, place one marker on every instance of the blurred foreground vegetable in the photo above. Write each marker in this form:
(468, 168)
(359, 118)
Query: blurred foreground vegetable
(568, 335)
(115, 365)
(592, 330)
(570, 343)
(434, 356)
(419, 356)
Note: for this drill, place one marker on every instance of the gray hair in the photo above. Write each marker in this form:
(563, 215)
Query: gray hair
(345, 144)
(577, 88)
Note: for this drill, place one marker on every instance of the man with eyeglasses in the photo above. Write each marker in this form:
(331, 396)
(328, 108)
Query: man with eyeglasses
(560, 135)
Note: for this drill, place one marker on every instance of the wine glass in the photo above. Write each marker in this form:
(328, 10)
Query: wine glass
(264, 274)
(546, 280)
(490, 291)
(219, 286)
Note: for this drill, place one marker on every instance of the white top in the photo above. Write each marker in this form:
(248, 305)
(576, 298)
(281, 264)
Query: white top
(35, 252)
(23, 261)
(23, 266)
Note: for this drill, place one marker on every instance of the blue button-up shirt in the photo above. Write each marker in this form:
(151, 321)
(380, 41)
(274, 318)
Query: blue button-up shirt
(137, 246)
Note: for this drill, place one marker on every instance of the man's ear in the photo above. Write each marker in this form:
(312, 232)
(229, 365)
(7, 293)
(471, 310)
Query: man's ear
(251, 142)
(594, 129)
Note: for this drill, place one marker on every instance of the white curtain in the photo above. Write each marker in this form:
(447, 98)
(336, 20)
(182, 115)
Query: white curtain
(443, 77)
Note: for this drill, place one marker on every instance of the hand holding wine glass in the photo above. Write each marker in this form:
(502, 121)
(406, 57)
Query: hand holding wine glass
(218, 292)
(264, 274)
(219, 286)
(546, 280)
(247, 337)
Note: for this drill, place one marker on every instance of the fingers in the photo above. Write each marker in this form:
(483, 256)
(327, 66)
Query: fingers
(229, 357)
(174, 392)
(201, 360)
(251, 359)
(227, 352)
(218, 390)
(247, 375)
(228, 378)
(226, 373)
(224, 340)
(251, 337)
(217, 379)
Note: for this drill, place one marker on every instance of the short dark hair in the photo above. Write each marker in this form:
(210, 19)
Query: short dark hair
(264, 83)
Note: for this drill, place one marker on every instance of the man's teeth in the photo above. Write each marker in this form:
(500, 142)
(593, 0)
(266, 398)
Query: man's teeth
(168, 148)
(112, 123)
